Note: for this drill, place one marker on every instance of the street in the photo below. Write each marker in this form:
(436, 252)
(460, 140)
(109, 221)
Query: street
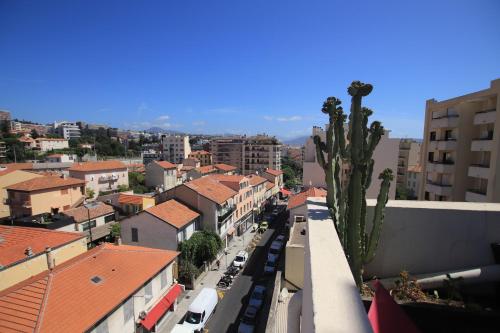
(233, 304)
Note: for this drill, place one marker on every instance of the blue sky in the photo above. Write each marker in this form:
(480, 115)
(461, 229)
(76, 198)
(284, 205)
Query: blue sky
(240, 66)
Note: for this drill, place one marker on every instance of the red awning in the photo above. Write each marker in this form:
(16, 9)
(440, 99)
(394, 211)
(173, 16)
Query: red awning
(159, 309)
(285, 192)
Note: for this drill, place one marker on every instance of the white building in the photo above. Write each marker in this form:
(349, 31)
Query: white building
(161, 174)
(61, 158)
(47, 144)
(67, 130)
(385, 156)
(175, 148)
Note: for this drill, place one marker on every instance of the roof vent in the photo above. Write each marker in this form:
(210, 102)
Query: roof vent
(96, 279)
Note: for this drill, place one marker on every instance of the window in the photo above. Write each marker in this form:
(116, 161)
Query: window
(447, 135)
(135, 235)
(431, 156)
(128, 310)
(433, 136)
(426, 196)
(163, 278)
(64, 191)
(85, 225)
(109, 218)
(148, 292)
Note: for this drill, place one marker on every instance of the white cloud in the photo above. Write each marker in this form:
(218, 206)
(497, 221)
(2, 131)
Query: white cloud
(283, 119)
(164, 117)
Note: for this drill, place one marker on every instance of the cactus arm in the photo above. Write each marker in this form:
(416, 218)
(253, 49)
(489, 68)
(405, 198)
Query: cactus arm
(378, 216)
(319, 151)
(369, 173)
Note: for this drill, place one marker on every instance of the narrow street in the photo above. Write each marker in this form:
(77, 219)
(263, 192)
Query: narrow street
(234, 302)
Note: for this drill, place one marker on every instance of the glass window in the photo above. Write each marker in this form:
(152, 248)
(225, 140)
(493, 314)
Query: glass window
(85, 225)
(135, 235)
(128, 310)
(163, 278)
(109, 218)
(148, 292)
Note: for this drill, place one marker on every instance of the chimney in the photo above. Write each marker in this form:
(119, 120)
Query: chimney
(118, 240)
(51, 261)
(28, 252)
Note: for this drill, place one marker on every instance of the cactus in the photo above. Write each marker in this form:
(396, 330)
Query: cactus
(347, 206)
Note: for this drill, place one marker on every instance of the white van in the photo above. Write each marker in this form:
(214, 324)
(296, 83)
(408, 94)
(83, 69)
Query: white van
(200, 310)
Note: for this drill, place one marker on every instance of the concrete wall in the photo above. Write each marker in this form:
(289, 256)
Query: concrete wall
(157, 176)
(92, 179)
(152, 232)
(37, 264)
(427, 237)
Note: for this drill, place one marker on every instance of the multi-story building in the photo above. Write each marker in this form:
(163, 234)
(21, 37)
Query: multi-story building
(161, 174)
(122, 288)
(47, 144)
(203, 156)
(228, 150)
(408, 157)
(67, 130)
(259, 194)
(150, 155)
(414, 181)
(461, 148)
(259, 153)
(384, 156)
(7, 178)
(294, 153)
(4, 116)
(102, 176)
(3, 150)
(47, 194)
(23, 252)
(175, 148)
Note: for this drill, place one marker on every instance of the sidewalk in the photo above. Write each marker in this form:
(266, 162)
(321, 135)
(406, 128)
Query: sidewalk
(209, 281)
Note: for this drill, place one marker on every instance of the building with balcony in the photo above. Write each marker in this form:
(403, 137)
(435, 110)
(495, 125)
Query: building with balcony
(122, 289)
(258, 184)
(66, 129)
(47, 194)
(228, 150)
(101, 176)
(408, 157)
(175, 148)
(161, 175)
(385, 156)
(203, 156)
(163, 226)
(460, 151)
(260, 152)
(8, 178)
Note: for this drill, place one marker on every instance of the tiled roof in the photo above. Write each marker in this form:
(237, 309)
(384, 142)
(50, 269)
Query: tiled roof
(187, 168)
(81, 214)
(231, 181)
(130, 199)
(174, 213)
(98, 166)
(206, 169)
(211, 189)
(415, 168)
(45, 183)
(301, 198)
(55, 155)
(8, 167)
(49, 301)
(269, 185)
(256, 180)
(15, 240)
(165, 164)
(274, 172)
(225, 167)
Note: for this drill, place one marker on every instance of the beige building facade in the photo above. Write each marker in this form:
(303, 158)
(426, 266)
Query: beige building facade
(101, 176)
(175, 148)
(408, 157)
(8, 179)
(227, 150)
(259, 153)
(461, 151)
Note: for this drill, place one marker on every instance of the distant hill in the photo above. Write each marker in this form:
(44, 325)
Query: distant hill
(298, 141)
(156, 130)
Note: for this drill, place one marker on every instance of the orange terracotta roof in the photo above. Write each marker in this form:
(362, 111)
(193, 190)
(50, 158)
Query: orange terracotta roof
(301, 198)
(256, 180)
(206, 169)
(415, 168)
(211, 189)
(130, 199)
(25, 139)
(231, 181)
(45, 183)
(55, 155)
(8, 167)
(166, 164)
(98, 166)
(274, 172)
(48, 301)
(81, 214)
(187, 168)
(269, 185)
(50, 139)
(174, 213)
(199, 152)
(225, 167)
(15, 240)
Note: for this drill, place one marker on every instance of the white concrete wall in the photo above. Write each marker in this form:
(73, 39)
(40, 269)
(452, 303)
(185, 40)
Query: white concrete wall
(92, 179)
(157, 176)
(430, 236)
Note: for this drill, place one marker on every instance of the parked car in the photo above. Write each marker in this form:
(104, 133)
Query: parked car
(270, 266)
(263, 226)
(275, 250)
(257, 297)
(240, 259)
(247, 324)
(280, 238)
(200, 310)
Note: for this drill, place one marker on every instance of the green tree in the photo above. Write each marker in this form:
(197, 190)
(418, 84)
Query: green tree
(122, 188)
(34, 134)
(203, 246)
(90, 193)
(402, 193)
(137, 182)
(115, 230)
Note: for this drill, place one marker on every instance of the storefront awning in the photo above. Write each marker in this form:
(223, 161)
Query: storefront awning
(159, 309)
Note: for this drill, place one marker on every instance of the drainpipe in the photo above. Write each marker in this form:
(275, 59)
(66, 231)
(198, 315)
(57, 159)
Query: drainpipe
(50, 258)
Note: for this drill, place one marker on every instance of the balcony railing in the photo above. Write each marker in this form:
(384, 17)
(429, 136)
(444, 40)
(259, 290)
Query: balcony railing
(225, 212)
(477, 191)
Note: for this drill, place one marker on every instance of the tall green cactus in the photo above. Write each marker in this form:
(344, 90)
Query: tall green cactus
(347, 206)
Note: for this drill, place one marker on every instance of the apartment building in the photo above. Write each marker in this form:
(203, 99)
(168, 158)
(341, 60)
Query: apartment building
(8, 178)
(384, 156)
(3, 150)
(67, 130)
(161, 174)
(228, 150)
(461, 148)
(408, 157)
(259, 153)
(47, 144)
(102, 176)
(203, 156)
(121, 289)
(259, 193)
(414, 181)
(23, 251)
(175, 148)
(47, 194)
